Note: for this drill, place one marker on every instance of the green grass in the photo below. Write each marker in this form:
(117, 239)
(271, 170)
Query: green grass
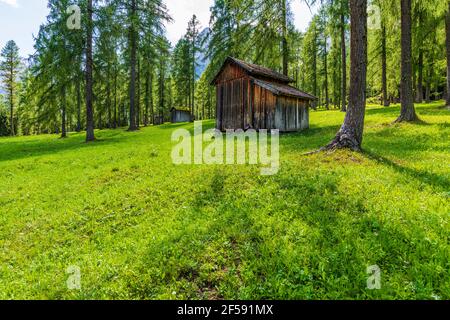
(139, 227)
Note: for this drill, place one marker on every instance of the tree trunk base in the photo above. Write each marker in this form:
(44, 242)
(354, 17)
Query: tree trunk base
(407, 118)
(344, 140)
(90, 137)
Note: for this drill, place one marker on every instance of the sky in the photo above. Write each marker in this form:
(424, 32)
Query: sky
(20, 19)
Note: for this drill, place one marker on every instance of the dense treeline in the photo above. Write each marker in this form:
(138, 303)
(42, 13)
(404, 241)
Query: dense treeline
(119, 70)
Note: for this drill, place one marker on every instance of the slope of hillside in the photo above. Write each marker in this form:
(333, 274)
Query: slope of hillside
(136, 226)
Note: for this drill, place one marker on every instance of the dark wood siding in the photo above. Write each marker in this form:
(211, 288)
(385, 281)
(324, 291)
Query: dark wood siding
(232, 104)
(231, 72)
(178, 116)
(292, 114)
(242, 104)
(264, 108)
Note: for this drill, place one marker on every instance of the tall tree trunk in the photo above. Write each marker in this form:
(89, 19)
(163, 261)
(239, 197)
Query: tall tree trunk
(351, 133)
(138, 96)
(408, 113)
(63, 113)
(191, 105)
(285, 47)
(115, 97)
(11, 105)
(193, 76)
(78, 88)
(89, 79)
(419, 87)
(386, 101)
(152, 110)
(315, 66)
(419, 93)
(428, 86)
(447, 28)
(108, 98)
(161, 93)
(344, 66)
(147, 95)
(133, 53)
(210, 103)
(325, 64)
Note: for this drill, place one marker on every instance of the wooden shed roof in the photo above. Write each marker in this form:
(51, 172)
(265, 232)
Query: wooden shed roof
(254, 70)
(183, 109)
(284, 90)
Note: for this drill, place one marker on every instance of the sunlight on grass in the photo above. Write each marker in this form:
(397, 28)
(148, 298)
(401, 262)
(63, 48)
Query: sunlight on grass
(139, 227)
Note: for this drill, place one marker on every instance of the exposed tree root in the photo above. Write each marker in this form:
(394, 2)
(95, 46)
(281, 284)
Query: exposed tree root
(343, 140)
(407, 118)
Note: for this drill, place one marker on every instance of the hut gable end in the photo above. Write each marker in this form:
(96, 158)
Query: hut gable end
(229, 72)
(250, 96)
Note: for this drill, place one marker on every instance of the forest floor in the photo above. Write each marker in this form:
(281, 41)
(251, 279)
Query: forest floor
(138, 227)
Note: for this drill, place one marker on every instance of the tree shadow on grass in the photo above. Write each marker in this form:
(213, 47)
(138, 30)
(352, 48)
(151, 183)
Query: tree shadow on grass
(434, 180)
(18, 148)
(435, 109)
(393, 111)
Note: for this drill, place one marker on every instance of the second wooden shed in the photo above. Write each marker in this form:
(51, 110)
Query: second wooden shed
(180, 115)
(254, 97)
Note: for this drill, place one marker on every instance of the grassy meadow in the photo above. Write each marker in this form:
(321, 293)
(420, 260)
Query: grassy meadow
(139, 227)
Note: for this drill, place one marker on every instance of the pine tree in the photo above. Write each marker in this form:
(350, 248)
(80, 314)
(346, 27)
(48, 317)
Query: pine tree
(192, 37)
(351, 133)
(90, 136)
(9, 70)
(447, 32)
(408, 112)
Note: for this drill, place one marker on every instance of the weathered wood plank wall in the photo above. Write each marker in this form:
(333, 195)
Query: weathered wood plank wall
(241, 104)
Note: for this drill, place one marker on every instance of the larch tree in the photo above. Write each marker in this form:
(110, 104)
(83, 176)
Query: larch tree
(408, 112)
(323, 52)
(417, 33)
(284, 35)
(192, 36)
(351, 133)
(383, 52)
(343, 29)
(447, 32)
(90, 136)
(132, 44)
(9, 69)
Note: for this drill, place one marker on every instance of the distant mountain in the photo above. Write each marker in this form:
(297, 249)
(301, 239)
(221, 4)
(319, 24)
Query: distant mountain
(201, 59)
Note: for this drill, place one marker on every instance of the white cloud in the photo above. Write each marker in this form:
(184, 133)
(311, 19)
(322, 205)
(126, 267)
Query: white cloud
(182, 11)
(12, 3)
(302, 14)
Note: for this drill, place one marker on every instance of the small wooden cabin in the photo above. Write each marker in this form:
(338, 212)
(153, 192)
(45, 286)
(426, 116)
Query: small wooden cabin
(180, 115)
(254, 97)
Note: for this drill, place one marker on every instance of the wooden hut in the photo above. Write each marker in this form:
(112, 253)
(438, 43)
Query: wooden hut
(180, 115)
(254, 97)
